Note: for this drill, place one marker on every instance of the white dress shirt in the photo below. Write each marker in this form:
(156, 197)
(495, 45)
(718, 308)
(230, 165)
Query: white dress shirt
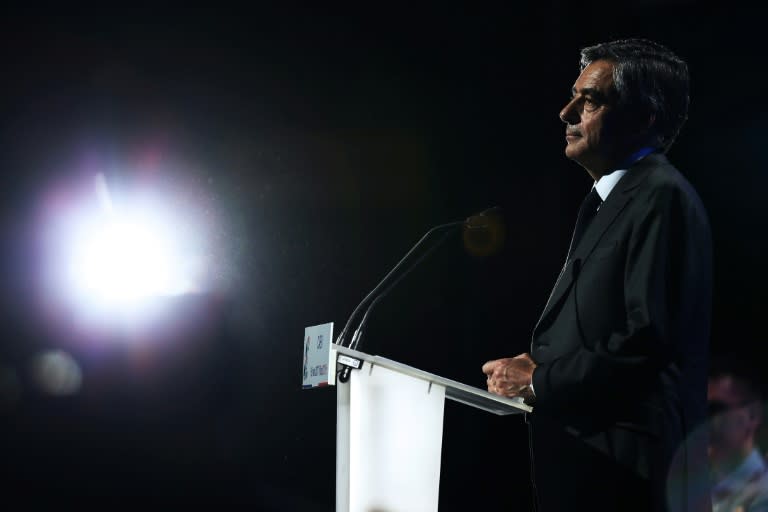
(606, 183)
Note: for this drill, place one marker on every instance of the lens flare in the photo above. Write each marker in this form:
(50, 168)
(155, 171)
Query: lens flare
(57, 373)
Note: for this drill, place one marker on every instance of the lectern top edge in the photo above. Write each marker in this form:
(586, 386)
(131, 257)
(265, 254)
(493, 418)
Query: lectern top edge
(457, 391)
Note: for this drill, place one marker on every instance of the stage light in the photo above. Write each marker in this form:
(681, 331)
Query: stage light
(110, 258)
(122, 260)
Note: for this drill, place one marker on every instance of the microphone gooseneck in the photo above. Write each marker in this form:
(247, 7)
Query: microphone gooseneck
(358, 334)
(372, 294)
(474, 222)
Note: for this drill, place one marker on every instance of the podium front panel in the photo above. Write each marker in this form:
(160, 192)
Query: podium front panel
(395, 440)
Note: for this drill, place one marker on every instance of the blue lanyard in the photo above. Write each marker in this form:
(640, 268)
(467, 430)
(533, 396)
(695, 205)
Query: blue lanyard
(636, 156)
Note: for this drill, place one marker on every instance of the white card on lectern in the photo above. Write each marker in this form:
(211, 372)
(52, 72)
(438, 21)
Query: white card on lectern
(317, 347)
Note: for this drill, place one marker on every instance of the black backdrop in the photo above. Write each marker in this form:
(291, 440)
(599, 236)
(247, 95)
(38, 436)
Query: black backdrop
(325, 142)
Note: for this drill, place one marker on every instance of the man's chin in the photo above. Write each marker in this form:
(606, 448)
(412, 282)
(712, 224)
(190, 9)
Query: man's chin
(572, 152)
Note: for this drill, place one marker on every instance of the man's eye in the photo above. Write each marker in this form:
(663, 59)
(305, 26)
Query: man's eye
(591, 103)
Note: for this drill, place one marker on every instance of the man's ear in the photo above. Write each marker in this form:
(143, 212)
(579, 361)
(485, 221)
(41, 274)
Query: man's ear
(639, 124)
(650, 122)
(643, 124)
(755, 411)
(646, 129)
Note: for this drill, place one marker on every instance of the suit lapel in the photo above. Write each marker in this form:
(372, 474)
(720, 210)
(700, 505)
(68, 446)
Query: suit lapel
(609, 211)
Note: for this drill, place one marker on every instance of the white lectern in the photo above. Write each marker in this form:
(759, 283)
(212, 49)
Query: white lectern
(389, 431)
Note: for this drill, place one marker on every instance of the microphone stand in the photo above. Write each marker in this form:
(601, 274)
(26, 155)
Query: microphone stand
(374, 296)
(441, 227)
(358, 334)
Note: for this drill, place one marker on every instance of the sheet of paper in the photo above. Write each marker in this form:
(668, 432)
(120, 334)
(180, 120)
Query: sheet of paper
(317, 346)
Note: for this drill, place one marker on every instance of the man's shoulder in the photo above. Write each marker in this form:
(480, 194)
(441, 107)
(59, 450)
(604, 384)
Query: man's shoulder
(660, 189)
(661, 173)
(663, 180)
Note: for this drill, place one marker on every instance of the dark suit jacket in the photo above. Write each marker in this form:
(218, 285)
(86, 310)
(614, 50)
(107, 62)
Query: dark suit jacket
(622, 352)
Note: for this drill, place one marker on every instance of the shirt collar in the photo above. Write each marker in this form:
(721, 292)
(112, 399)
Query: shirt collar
(605, 183)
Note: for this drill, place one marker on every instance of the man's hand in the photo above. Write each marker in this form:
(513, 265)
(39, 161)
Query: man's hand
(511, 376)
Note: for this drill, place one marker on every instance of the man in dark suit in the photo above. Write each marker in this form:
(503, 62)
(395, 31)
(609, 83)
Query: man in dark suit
(617, 373)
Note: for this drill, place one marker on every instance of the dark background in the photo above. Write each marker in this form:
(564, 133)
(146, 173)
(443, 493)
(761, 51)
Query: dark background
(326, 142)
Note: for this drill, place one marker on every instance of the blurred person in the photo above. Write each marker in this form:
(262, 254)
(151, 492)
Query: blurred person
(739, 471)
(617, 373)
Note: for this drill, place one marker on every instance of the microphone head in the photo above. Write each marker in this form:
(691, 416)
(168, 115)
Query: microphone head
(484, 232)
(479, 220)
(494, 210)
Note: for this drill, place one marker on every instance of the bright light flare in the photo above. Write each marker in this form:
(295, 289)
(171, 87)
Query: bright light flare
(114, 256)
(124, 260)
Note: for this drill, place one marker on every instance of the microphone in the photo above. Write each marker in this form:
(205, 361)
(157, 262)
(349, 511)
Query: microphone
(483, 215)
(477, 222)
(485, 232)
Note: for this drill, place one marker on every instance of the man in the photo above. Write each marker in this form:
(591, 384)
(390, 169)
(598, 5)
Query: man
(618, 366)
(739, 472)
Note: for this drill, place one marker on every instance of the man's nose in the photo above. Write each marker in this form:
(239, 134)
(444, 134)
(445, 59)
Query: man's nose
(570, 114)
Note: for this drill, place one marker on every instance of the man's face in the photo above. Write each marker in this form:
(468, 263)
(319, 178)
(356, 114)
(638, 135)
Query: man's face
(593, 131)
(732, 421)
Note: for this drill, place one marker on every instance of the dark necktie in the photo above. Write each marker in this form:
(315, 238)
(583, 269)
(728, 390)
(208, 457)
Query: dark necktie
(587, 212)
